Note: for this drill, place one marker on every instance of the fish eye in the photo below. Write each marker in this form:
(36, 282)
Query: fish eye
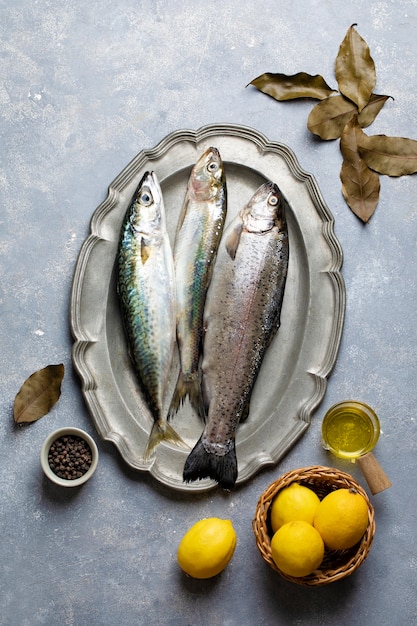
(213, 166)
(145, 198)
(273, 200)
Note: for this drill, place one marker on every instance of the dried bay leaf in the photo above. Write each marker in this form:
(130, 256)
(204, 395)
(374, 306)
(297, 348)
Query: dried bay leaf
(290, 87)
(355, 69)
(371, 110)
(329, 117)
(38, 394)
(360, 184)
(356, 180)
(343, 115)
(392, 156)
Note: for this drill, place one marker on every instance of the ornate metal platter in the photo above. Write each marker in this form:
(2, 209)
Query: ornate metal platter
(293, 378)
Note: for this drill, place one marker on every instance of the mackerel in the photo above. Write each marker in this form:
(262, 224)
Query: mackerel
(146, 288)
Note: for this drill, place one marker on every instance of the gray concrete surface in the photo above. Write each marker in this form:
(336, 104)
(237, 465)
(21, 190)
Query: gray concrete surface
(84, 86)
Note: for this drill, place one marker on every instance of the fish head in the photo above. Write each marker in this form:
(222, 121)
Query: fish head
(147, 208)
(265, 210)
(207, 175)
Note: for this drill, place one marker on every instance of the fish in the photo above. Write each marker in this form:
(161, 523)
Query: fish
(199, 231)
(242, 315)
(146, 288)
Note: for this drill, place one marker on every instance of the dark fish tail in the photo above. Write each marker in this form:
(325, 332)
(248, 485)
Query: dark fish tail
(187, 385)
(203, 464)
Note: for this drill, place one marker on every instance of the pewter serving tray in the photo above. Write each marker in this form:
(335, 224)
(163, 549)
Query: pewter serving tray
(293, 377)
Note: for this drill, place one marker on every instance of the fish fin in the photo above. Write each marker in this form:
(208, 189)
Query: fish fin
(162, 431)
(187, 386)
(233, 239)
(144, 250)
(202, 464)
(183, 212)
(245, 413)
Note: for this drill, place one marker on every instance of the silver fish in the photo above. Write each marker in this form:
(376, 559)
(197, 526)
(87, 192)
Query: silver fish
(242, 315)
(199, 231)
(146, 287)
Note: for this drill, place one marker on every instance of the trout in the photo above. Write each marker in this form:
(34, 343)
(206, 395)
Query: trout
(242, 315)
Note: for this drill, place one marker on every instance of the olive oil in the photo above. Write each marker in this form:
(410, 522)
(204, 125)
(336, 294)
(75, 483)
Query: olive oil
(350, 429)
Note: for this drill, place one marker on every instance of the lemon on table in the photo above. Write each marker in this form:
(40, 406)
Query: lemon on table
(293, 503)
(342, 518)
(207, 547)
(297, 548)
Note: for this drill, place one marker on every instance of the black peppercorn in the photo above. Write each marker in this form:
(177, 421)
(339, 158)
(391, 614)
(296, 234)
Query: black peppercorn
(69, 457)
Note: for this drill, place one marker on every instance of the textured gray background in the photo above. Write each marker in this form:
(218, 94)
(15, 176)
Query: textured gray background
(84, 86)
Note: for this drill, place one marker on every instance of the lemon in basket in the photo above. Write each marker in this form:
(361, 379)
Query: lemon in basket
(293, 503)
(207, 547)
(342, 518)
(297, 548)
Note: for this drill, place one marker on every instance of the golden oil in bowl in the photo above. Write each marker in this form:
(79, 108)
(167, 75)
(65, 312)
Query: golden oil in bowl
(350, 429)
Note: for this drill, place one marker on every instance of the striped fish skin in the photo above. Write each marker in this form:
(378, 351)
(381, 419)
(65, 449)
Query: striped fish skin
(146, 287)
(242, 315)
(199, 232)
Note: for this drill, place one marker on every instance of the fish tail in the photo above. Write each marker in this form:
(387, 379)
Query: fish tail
(162, 431)
(187, 385)
(203, 464)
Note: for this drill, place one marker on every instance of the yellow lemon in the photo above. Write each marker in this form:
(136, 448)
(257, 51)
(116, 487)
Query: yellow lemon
(207, 547)
(297, 548)
(293, 503)
(342, 518)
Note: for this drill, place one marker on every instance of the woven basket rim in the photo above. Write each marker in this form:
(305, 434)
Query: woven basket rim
(336, 564)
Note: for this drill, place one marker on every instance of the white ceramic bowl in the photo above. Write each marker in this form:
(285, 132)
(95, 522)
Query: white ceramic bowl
(61, 432)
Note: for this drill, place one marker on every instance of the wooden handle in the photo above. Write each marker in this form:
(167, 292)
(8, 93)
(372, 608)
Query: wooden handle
(374, 474)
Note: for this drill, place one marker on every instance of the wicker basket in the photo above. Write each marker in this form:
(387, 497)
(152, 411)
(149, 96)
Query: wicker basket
(336, 564)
